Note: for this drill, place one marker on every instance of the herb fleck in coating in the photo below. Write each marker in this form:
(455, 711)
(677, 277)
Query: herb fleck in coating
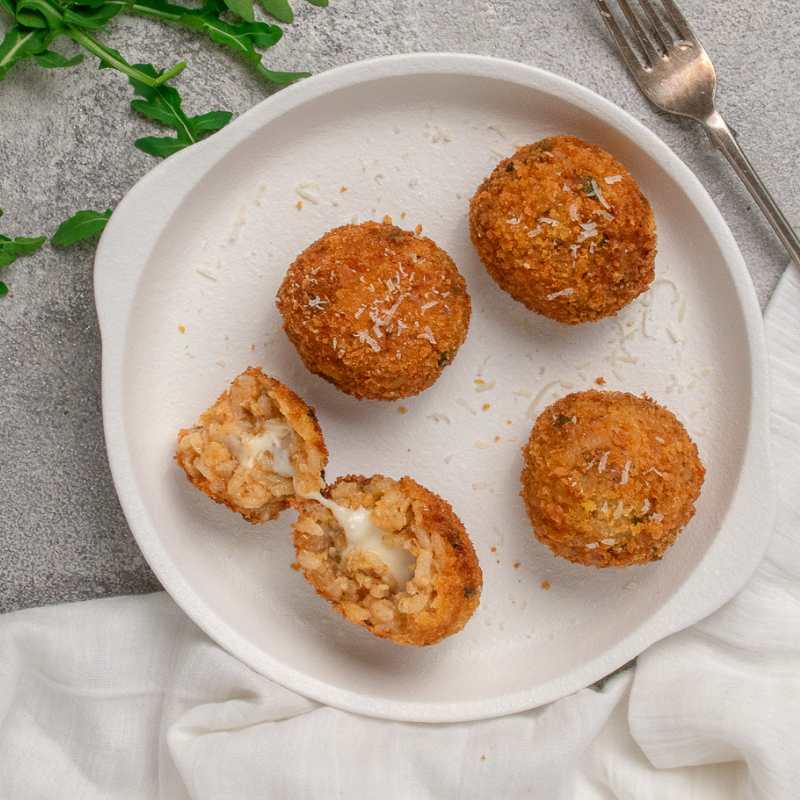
(563, 227)
(375, 310)
(609, 479)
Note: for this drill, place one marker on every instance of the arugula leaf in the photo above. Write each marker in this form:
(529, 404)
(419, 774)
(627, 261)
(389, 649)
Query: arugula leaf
(242, 8)
(92, 16)
(12, 249)
(81, 225)
(280, 78)
(280, 9)
(8, 6)
(241, 37)
(162, 104)
(18, 44)
(113, 59)
(319, 3)
(50, 59)
(40, 14)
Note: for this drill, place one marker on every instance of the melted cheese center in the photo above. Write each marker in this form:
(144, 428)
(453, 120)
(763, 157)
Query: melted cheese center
(363, 534)
(274, 439)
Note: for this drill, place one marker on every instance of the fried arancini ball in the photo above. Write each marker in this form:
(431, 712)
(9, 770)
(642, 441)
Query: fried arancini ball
(563, 227)
(609, 479)
(256, 448)
(389, 555)
(375, 310)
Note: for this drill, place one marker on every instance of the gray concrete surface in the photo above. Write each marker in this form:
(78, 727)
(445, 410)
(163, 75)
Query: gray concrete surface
(66, 143)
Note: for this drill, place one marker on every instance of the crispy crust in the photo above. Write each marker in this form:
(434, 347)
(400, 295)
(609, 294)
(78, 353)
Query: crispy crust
(257, 493)
(609, 479)
(376, 310)
(565, 271)
(449, 591)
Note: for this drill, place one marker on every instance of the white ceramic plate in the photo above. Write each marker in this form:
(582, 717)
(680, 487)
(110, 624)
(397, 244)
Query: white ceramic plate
(203, 242)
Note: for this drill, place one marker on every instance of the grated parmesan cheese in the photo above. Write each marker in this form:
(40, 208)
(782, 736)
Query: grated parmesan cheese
(363, 336)
(588, 230)
(599, 195)
(568, 292)
(309, 191)
(626, 473)
(427, 334)
(610, 179)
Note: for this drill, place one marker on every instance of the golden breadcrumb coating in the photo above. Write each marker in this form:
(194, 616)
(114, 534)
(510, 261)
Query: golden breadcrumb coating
(445, 579)
(609, 479)
(375, 310)
(563, 227)
(255, 448)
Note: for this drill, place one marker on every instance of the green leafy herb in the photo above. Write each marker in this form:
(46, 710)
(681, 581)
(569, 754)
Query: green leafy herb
(12, 249)
(39, 22)
(19, 43)
(113, 59)
(280, 9)
(444, 360)
(80, 226)
(162, 104)
(91, 15)
(36, 24)
(562, 419)
(50, 59)
(587, 185)
(242, 8)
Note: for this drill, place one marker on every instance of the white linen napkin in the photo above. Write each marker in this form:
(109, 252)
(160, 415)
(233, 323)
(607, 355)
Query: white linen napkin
(126, 698)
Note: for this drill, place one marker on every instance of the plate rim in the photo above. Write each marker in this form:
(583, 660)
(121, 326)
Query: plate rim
(126, 243)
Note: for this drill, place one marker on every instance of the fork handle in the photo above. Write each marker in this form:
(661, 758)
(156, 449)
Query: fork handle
(723, 138)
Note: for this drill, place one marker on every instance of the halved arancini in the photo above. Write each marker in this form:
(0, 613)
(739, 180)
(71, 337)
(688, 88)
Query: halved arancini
(389, 555)
(257, 447)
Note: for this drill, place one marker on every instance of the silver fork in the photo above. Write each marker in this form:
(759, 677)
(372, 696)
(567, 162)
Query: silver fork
(675, 73)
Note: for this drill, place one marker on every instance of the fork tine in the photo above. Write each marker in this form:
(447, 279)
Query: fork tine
(660, 32)
(628, 54)
(641, 34)
(678, 20)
